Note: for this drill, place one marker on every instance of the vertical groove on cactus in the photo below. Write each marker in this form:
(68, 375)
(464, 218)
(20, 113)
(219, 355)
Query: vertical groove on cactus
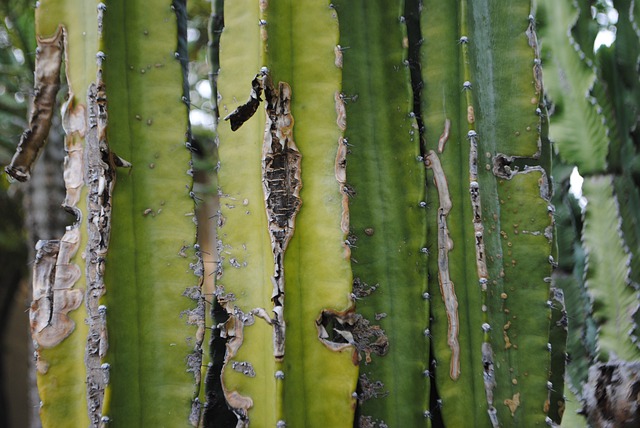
(385, 182)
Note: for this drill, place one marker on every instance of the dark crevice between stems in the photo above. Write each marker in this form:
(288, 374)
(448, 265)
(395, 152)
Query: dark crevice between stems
(412, 10)
(216, 25)
(217, 413)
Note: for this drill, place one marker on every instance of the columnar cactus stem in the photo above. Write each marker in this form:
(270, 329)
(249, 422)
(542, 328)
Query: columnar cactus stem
(131, 276)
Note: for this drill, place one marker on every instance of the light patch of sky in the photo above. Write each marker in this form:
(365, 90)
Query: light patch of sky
(193, 34)
(575, 187)
(201, 118)
(204, 89)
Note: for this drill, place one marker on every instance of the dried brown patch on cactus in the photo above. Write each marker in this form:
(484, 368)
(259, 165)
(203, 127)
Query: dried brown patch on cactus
(54, 277)
(244, 112)
(370, 389)
(513, 403)
(281, 184)
(362, 289)
(339, 330)
(445, 244)
(46, 85)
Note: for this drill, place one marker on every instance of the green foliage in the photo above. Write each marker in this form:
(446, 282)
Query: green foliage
(594, 98)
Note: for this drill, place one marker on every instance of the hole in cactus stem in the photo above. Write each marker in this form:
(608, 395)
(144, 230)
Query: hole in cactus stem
(338, 330)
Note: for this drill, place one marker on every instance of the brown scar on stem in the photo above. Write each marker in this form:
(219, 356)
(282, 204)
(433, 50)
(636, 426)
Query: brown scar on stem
(340, 330)
(244, 112)
(513, 403)
(478, 227)
(281, 184)
(445, 244)
(53, 294)
(46, 85)
(341, 169)
(471, 117)
(445, 135)
(338, 52)
(489, 382)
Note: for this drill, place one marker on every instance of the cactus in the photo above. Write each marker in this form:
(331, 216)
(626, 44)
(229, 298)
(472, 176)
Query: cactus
(131, 76)
(485, 226)
(385, 235)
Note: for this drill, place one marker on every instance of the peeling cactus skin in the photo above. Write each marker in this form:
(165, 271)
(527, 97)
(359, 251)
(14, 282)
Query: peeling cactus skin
(46, 86)
(282, 184)
(100, 178)
(53, 293)
(445, 244)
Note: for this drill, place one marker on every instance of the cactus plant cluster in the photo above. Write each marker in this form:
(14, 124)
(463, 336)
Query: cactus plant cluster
(385, 235)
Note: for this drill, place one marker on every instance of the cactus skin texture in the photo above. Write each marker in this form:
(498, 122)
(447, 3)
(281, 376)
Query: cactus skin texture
(460, 309)
(385, 231)
(125, 262)
(594, 127)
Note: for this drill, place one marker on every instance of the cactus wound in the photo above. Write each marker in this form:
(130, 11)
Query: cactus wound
(248, 109)
(100, 179)
(53, 293)
(46, 85)
(280, 179)
(339, 330)
(281, 184)
(445, 244)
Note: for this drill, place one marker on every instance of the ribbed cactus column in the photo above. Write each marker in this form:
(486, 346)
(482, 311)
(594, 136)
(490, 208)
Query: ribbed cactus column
(155, 314)
(58, 323)
(125, 262)
(284, 272)
(387, 206)
(485, 124)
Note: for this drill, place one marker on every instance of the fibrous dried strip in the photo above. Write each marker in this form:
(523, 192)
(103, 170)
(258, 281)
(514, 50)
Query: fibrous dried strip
(445, 244)
(100, 179)
(47, 82)
(370, 389)
(341, 177)
(53, 293)
(489, 381)
(341, 166)
(478, 227)
(233, 332)
(281, 184)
